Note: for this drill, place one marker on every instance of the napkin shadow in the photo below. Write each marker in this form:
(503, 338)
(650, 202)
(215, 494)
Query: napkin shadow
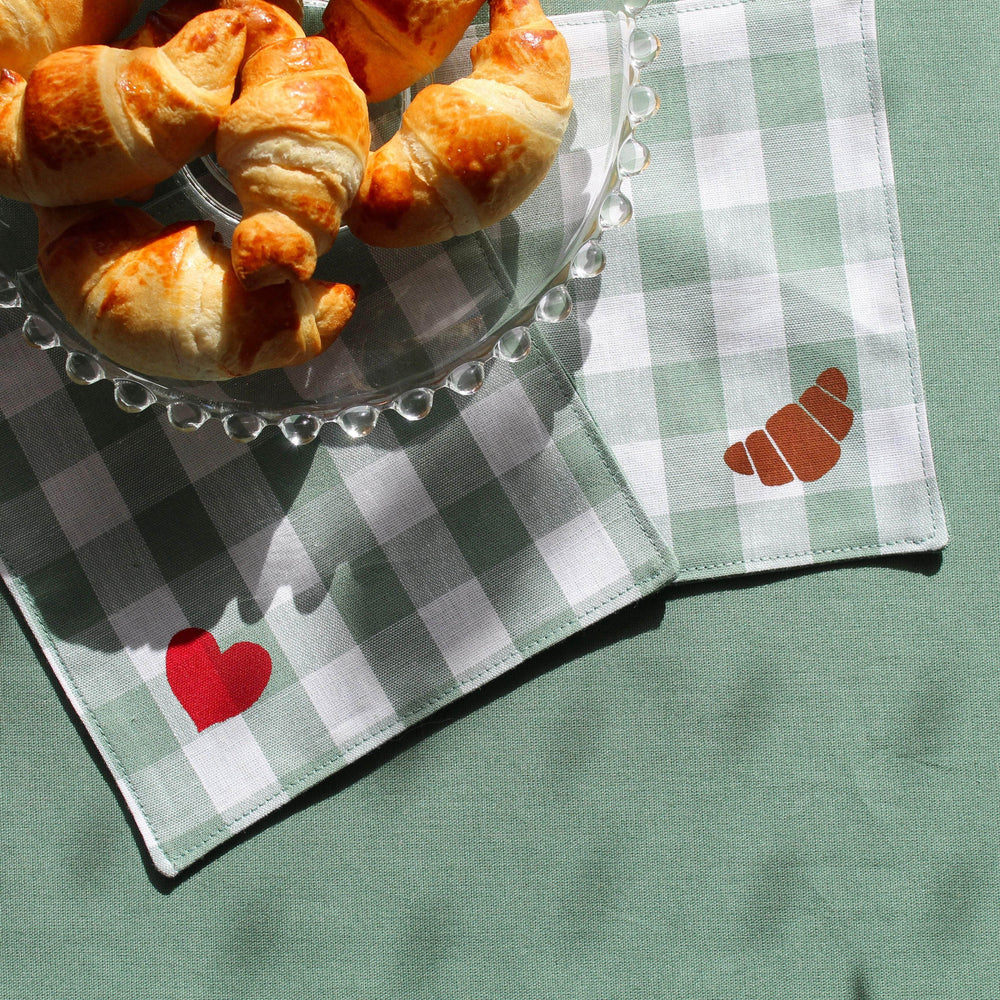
(213, 511)
(644, 616)
(926, 564)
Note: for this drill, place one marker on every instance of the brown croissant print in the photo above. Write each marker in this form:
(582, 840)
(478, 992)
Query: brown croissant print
(801, 439)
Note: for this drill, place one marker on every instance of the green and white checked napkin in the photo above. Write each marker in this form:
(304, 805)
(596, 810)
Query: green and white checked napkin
(766, 250)
(233, 623)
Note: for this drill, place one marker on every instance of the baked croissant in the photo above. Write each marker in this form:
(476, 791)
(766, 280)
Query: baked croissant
(164, 300)
(31, 29)
(390, 44)
(265, 21)
(467, 154)
(294, 145)
(98, 122)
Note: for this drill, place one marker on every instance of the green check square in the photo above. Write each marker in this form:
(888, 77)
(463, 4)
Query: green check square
(62, 595)
(690, 397)
(840, 520)
(368, 594)
(670, 85)
(105, 422)
(789, 89)
(702, 535)
(797, 161)
(806, 233)
(150, 446)
(17, 477)
(675, 160)
(288, 469)
(683, 255)
(179, 534)
(489, 508)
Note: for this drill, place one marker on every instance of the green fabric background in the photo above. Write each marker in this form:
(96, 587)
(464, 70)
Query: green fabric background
(780, 787)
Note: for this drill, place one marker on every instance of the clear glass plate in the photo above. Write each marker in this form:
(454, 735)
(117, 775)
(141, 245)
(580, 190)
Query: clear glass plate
(427, 318)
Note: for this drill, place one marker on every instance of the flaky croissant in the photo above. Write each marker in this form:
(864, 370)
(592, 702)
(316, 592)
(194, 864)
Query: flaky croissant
(31, 29)
(467, 154)
(390, 44)
(98, 122)
(164, 300)
(265, 21)
(294, 144)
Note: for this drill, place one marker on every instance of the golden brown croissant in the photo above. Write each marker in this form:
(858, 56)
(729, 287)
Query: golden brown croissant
(295, 145)
(98, 122)
(390, 44)
(31, 29)
(265, 21)
(164, 300)
(466, 155)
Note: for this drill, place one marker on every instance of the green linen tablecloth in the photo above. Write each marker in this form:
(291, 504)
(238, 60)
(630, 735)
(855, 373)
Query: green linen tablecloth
(777, 786)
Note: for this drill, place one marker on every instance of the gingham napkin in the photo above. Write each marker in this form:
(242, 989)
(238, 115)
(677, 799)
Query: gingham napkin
(234, 623)
(766, 252)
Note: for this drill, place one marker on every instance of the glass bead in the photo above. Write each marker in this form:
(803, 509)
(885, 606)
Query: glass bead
(359, 421)
(554, 306)
(514, 345)
(132, 397)
(415, 404)
(301, 428)
(83, 369)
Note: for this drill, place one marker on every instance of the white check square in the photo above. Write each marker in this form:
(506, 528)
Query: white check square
(731, 170)
(230, 764)
(582, 558)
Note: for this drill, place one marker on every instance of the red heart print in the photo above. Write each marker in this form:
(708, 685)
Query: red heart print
(213, 685)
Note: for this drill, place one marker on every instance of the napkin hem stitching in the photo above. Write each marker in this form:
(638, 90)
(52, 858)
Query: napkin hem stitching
(763, 563)
(866, 12)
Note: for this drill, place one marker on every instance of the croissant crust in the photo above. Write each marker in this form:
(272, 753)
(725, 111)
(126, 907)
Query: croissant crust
(32, 29)
(165, 301)
(97, 122)
(467, 154)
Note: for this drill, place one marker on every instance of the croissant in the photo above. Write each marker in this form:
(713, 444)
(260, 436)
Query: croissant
(390, 44)
(265, 21)
(98, 122)
(294, 144)
(467, 154)
(31, 29)
(165, 301)
(801, 439)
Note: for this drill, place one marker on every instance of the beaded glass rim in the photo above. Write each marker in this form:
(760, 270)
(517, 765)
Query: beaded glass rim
(302, 423)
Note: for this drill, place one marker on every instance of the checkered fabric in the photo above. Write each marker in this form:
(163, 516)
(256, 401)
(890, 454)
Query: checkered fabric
(766, 250)
(384, 579)
(388, 577)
